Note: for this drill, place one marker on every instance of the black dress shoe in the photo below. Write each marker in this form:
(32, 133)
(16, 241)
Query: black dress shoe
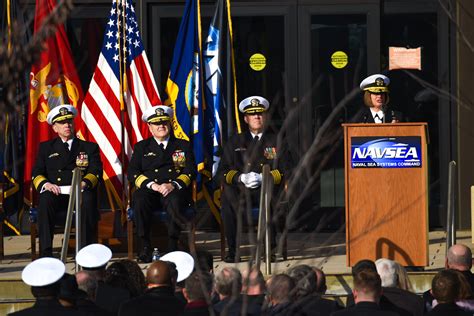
(273, 258)
(230, 258)
(46, 253)
(145, 255)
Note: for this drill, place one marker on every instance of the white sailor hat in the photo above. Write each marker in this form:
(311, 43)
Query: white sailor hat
(157, 114)
(43, 271)
(93, 256)
(184, 263)
(61, 113)
(377, 83)
(253, 104)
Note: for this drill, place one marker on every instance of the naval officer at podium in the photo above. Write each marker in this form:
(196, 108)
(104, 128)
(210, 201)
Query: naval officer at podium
(376, 100)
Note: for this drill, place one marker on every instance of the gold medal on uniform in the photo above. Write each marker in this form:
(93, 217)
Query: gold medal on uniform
(270, 153)
(179, 158)
(82, 160)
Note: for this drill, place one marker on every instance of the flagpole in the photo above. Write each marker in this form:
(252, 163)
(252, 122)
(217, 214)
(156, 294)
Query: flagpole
(231, 78)
(123, 81)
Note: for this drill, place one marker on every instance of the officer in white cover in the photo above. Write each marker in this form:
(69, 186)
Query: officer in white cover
(376, 99)
(162, 169)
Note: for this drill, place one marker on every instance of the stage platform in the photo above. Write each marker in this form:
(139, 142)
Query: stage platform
(324, 250)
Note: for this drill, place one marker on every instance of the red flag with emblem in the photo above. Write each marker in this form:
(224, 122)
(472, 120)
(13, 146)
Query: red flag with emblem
(53, 81)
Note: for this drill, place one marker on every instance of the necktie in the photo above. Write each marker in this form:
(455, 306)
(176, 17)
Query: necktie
(66, 145)
(162, 146)
(254, 141)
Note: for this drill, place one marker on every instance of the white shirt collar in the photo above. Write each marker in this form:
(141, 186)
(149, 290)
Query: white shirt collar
(164, 142)
(379, 114)
(259, 135)
(69, 143)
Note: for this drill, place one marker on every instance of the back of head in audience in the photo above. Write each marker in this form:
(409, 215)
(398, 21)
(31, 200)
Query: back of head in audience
(305, 280)
(446, 286)
(116, 275)
(459, 258)
(388, 272)
(280, 289)
(228, 282)
(159, 274)
(205, 260)
(44, 275)
(136, 277)
(198, 287)
(253, 282)
(367, 286)
(69, 291)
(364, 264)
(403, 280)
(87, 281)
(321, 287)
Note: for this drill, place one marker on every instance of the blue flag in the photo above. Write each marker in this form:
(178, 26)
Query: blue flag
(218, 110)
(183, 87)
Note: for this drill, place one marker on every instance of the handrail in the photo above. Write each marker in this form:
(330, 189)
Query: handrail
(451, 216)
(73, 204)
(264, 219)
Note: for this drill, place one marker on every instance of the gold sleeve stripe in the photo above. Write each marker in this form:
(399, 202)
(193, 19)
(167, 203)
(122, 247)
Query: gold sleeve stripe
(92, 178)
(276, 176)
(140, 179)
(230, 176)
(37, 180)
(185, 179)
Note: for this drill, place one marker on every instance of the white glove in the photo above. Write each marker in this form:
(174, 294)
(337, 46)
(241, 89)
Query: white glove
(254, 180)
(245, 178)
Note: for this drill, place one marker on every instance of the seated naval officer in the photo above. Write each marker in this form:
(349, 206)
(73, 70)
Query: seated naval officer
(52, 176)
(162, 169)
(376, 99)
(241, 168)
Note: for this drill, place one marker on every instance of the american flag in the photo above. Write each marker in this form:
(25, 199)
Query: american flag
(116, 132)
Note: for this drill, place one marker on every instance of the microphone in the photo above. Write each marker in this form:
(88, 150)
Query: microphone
(394, 116)
(384, 110)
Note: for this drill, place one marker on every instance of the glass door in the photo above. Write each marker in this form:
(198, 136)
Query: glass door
(336, 52)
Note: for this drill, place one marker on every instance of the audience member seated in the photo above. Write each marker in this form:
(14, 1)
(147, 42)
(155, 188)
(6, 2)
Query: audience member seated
(87, 281)
(307, 300)
(464, 300)
(280, 289)
(115, 288)
(459, 258)
(321, 287)
(93, 259)
(253, 286)
(403, 280)
(205, 261)
(384, 303)
(367, 292)
(446, 289)
(135, 276)
(387, 269)
(197, 291)
(69, 292)
(228, 285)
(44, 275)
(181, 266)
(159, 298)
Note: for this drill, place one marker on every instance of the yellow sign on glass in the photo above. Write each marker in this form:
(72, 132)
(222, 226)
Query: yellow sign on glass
(339, 59)
(257, 62)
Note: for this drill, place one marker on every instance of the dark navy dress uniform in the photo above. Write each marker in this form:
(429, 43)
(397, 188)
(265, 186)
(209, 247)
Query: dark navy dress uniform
(55, 164)
(243, 154)
(150, 163)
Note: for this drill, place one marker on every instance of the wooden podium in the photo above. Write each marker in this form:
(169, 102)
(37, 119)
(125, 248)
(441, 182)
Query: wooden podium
(386, 207)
